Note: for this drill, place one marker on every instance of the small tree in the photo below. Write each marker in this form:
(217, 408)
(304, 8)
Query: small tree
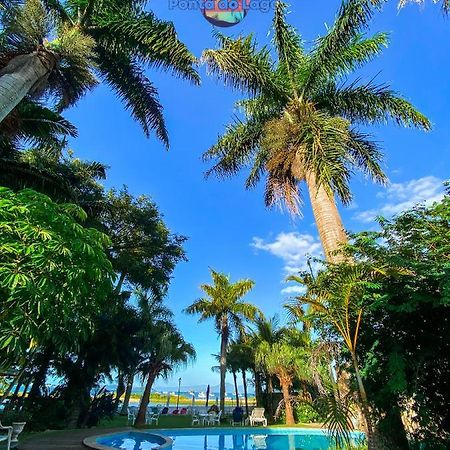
(286, 362)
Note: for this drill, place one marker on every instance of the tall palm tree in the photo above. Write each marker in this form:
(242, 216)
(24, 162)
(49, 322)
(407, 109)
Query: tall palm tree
(299, 118)
(58, 46)
(169, 350)
(223, 304)
(163, 347)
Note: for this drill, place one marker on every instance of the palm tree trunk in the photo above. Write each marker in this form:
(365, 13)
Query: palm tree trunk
(120, 388)
(128, 391)
(21, 75)
(257, 387)
(145, 400)
(223, 361)
(270, 396)
(287, 402)
(328, 220)
(236, 391)
(244, 382)
(371, 444)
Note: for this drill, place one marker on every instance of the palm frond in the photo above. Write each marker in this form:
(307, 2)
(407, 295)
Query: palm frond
(353, 17)
(136, 91)
(366, 156)
(338, 418)
(149, 39)
(287, 41)
(358, 52)
(370, 103)
(235, 148)
(240, 65)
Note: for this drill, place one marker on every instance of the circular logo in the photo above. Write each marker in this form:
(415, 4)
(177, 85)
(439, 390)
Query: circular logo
(224, 13)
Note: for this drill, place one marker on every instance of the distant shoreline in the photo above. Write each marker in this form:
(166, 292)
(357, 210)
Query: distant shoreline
(185, 401)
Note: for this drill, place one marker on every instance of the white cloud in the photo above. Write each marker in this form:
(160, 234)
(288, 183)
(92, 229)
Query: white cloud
(399, 197)
(294, 290)
(293, 249)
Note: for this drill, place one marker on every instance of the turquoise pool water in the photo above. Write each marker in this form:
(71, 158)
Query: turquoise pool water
(225, 439)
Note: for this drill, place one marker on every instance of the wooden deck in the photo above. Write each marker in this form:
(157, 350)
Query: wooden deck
(63, 440)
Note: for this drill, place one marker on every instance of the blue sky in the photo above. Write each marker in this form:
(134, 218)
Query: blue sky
(229, 228)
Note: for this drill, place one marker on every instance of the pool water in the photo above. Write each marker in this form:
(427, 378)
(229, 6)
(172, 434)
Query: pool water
(226, 439)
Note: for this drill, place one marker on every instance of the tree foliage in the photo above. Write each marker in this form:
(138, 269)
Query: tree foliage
(54, 273)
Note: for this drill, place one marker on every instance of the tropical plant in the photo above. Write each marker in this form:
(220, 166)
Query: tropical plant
(48, 295)
(223, 304)
(57, 173)
(55, 47)
(164, 350)
(299, 120)
(266, 331)
(403, 345)
(287, 362)
(34, 125)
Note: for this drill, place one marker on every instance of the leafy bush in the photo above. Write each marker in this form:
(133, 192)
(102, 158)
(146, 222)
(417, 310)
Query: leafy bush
(305, 413)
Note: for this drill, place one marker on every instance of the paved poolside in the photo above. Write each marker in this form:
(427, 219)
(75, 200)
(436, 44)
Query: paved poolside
(64, 440)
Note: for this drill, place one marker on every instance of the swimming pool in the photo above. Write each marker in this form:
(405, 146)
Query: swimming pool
(221, 439)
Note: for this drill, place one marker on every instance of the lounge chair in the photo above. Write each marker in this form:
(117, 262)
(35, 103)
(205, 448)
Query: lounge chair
(131, 415)
(257, 417)
(6, 437)
(214, 419)
(152, 418)
(195, 418)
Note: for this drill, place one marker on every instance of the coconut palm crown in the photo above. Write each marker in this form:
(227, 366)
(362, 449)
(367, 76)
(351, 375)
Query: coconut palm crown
(62, 48)
(298, 123)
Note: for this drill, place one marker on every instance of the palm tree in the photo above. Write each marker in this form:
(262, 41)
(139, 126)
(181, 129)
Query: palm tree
(299, 118)
(286, 362)
(163, 348)
(57, 47)
(223, 304)
(267, 331)
(337, 298)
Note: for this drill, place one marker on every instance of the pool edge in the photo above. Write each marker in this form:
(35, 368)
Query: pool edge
(91, 441)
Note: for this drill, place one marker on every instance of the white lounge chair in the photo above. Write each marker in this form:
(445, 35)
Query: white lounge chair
(6, 437)
(257, 417)
(195, 418)
(214, 419)
(152, 417)
(131, 415)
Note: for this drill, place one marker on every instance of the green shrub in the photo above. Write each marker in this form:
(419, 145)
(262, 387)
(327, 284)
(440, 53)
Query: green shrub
(305, 413)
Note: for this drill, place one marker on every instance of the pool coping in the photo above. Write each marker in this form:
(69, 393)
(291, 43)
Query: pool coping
(91, 441)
